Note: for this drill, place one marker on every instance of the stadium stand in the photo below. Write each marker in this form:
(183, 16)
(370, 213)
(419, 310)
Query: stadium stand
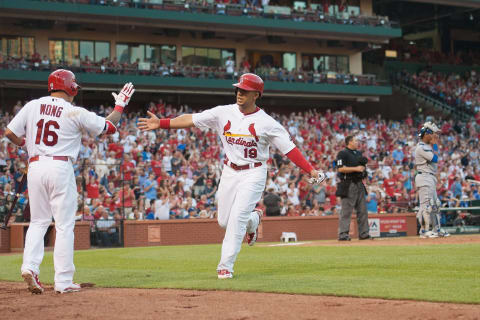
(174, 174)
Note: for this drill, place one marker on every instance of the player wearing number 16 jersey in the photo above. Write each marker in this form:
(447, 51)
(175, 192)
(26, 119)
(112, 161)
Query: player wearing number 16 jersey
(246, 133)
(51, 130)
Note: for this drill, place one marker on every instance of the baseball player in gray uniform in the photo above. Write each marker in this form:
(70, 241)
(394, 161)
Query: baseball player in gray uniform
(426, 163)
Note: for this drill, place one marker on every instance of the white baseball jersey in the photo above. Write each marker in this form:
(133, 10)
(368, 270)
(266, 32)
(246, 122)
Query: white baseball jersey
(53, 127)
(245, 137)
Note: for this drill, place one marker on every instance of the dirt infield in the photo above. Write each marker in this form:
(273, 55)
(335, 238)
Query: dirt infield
(96, 303)
(103, 303)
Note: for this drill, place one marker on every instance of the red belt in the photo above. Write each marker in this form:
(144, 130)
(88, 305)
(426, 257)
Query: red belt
(238, 168)
(36, 158)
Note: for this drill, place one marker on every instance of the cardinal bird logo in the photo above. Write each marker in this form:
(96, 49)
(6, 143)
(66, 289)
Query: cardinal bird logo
(251, 129)
(227, 127)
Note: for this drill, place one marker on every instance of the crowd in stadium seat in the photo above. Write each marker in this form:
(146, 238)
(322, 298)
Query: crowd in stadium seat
(105, 66)
(412, 53)
(326, 12)
(174, 174)
(459, 91)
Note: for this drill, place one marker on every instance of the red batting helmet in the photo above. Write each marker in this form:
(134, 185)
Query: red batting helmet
(250, 82)
(63, 80)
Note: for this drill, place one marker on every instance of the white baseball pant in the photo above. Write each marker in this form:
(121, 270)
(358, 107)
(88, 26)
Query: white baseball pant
(238, 194)
(52, 193)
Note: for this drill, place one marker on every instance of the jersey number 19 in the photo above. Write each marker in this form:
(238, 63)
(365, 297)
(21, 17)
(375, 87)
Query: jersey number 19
(50, 137)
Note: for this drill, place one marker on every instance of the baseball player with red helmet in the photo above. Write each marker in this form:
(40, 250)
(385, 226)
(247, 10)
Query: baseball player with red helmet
(51, 130)
(246, 133)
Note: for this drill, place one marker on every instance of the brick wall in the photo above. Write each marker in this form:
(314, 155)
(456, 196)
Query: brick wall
(19, 230)
(170, 232)
(4, 240)
(82, 235)
(204, 231)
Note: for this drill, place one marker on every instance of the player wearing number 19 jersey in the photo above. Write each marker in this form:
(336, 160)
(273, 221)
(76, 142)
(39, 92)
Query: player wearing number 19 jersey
(52, 129)
(246, 132)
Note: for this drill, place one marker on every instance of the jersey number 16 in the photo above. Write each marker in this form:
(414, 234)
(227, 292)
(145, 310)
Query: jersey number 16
(50, 137)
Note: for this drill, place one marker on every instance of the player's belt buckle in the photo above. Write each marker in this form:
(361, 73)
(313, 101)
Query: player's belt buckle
(244, 167)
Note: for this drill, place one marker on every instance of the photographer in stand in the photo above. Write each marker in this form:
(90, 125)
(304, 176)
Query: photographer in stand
(351, 171)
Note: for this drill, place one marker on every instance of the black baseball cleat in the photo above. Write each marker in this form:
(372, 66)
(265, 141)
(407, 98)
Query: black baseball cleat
(345, 239)
(365, 238)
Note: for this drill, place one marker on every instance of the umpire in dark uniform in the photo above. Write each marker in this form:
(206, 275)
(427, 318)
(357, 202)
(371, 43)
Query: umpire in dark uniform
(351, 171)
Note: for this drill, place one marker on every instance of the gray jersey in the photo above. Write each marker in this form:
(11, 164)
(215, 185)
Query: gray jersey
(423, 159)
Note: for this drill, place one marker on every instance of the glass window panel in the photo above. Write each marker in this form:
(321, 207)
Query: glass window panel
(331, 63)
(28, 46)
(201, 56)
(3, 46)
(122, 53)
(86, 50)
(168, 54)
(137, 52)
(152, 53)
(55, 50)
(102, 50)
(70, 50)
(342, 64)
(307, 62)
(188, 56)
(214, 57)
(13, 47)
(319, 63)
(289, 61)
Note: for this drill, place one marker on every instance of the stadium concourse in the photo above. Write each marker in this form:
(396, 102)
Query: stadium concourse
(174, 174)
(176, 69)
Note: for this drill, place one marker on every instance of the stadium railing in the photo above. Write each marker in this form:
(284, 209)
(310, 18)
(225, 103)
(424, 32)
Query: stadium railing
(269, 12)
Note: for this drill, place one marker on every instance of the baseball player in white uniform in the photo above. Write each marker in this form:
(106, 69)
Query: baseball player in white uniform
(426, 164)
(51, 130)
(246, 133)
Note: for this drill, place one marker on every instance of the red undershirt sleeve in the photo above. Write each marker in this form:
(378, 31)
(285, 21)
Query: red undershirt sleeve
(296, 157)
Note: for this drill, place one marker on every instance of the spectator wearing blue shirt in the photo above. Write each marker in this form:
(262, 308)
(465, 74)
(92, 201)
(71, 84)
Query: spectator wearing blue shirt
(146, 154)
(398, 155)
(4, 179)
(142, 177)
(456, 188)
(372, 203)
(150, 187)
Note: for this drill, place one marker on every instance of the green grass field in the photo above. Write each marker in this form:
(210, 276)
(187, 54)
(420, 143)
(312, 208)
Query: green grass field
(449, 273)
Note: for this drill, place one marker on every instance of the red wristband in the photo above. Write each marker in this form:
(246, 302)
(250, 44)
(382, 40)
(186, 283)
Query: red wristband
(119, 109)
(165, 123)
(23, 143)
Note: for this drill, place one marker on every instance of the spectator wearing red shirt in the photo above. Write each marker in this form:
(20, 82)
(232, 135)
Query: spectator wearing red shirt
(156, 164)
(389, 185)
(128, 201)
(117, 148)
(127, 167)
(303, 187)
(92, 186)
(331, 193)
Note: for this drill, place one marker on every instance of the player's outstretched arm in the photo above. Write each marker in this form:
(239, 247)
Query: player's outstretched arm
(153, 123)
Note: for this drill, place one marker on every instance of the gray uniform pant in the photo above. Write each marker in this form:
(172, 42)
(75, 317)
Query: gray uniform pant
(427, 196)
(355, 200)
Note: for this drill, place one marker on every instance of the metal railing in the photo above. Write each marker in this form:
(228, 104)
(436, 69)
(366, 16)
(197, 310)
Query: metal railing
(269, 12)
(202, 72)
